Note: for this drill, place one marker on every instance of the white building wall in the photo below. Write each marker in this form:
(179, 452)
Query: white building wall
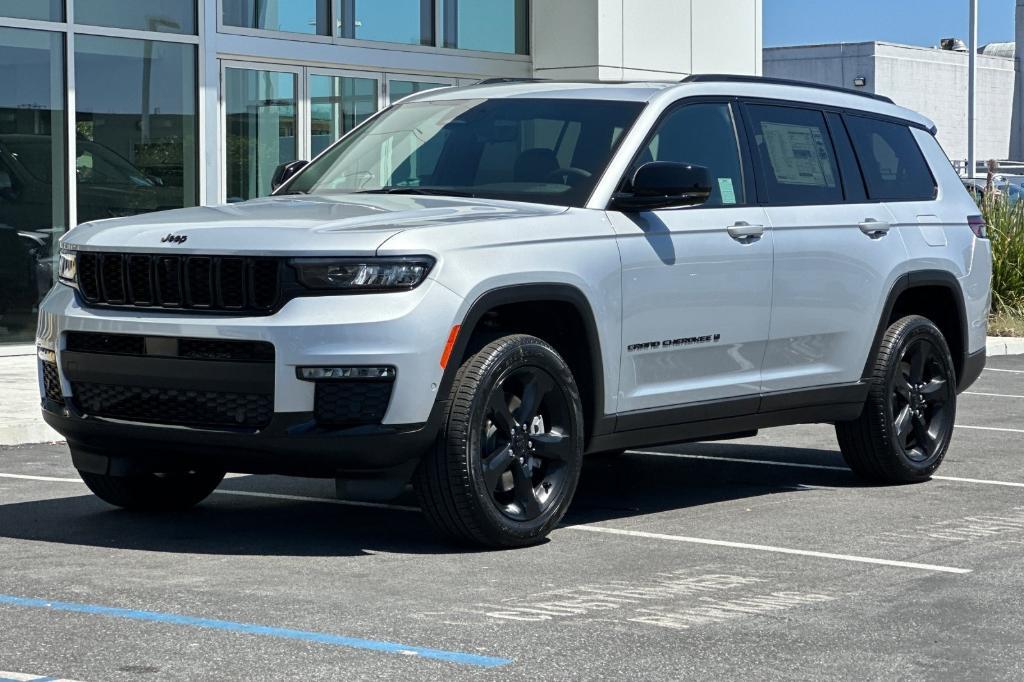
(930, 81)
(645, 39)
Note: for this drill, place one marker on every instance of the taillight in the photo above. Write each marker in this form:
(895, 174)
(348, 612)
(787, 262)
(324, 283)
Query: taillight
(977, 225)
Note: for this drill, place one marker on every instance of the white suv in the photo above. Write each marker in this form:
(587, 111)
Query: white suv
(480, 285)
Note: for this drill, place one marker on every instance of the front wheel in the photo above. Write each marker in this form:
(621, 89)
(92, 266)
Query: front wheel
(154, 492)
(904, 431)
(508, 460)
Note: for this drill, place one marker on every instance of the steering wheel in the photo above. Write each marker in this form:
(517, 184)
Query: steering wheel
(567, 172)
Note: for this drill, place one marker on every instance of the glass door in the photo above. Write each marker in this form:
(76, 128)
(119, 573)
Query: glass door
(338, 102)
(261, 126)
(401, 85)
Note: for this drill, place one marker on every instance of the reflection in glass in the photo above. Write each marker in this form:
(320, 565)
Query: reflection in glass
(293, 16)
(136, 126)
(43, 10)
(393, 21)
(337, 105)
(487, 25)
(168, 16)
(399, 89)
(260, 110)
(32, 173)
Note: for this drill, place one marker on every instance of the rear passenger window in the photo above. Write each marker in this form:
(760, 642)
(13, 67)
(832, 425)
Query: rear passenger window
(794, 155)
(702, 135)
(894, 167)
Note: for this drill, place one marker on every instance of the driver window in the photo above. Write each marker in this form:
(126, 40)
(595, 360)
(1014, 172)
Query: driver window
(704, 135)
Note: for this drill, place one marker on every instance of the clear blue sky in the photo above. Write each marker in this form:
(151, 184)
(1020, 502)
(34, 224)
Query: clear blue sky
(914, 22)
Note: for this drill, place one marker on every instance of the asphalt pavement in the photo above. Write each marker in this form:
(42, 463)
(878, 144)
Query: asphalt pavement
(763, 558)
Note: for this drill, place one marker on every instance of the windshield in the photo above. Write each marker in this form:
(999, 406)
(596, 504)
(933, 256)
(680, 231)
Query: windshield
(547, 151)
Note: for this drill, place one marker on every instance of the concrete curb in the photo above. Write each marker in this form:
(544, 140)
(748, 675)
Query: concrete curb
(28, 432)
(1004, 345)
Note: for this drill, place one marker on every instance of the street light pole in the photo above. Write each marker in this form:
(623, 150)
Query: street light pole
(972, 93)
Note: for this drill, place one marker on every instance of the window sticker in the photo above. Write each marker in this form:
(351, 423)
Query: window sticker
(727, 191)
(798, 154)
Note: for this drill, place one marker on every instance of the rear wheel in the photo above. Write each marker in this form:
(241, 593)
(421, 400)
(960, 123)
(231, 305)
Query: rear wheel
(904, 431)
(507, 462)
(154, 492)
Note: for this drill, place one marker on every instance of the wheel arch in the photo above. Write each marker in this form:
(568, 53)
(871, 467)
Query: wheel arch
(576, 315)
(936, 295)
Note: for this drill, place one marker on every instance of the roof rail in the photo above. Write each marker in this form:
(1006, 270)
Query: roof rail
(495, 81)
(731, 78)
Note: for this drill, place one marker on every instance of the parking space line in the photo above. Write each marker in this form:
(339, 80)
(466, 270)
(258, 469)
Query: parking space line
(993, 395)
(264, 630)
(51, 479)
(801, 465)
(26, 677)
(1009, 371)
(769, 548)
(989, 428)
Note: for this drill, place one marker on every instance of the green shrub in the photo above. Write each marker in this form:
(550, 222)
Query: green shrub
(1006, 230)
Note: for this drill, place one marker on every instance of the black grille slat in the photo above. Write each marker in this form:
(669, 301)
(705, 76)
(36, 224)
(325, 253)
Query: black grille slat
(174, 406)
(112, 278)
(199, 281)
(230, 284)
(187, 348)
(110, 344)
(168, 281)
(231, 281)
(351, 403)
(238, 351)
(140, 280)
(88, 276)
(264, 283)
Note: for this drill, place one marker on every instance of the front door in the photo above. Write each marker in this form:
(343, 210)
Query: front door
(696, 282)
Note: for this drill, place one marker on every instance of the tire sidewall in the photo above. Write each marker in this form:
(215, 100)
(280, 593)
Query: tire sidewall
(528, 352)
(916, 329)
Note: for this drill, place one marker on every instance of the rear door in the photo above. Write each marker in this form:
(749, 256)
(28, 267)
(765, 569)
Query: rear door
(696, 281)
(836, 254)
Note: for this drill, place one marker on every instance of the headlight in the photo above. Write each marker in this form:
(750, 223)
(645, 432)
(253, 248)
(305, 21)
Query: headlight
(370, 274)
(68, 269)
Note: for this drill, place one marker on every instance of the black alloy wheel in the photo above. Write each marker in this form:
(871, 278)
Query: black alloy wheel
(921, 406)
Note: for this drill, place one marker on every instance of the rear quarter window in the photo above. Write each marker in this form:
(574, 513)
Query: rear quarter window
(893, 165)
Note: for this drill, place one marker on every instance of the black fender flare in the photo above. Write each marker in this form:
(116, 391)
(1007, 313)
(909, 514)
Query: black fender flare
(914, 280)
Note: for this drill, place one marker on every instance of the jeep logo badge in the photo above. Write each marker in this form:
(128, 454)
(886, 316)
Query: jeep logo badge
(175, 239)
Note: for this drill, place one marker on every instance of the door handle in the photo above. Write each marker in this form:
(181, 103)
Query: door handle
(744, 232)
(874, 228)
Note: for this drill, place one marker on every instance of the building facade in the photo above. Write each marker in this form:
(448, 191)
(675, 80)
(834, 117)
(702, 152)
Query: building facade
(111, 108)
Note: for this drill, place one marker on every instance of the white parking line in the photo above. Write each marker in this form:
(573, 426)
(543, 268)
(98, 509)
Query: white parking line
(769, 548)
(53, 479)
(800, 465)
(993, 395)
(989, 428)
(26, 677)
(1009, 371)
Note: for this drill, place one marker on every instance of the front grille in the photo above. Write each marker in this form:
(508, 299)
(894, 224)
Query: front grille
(172, 406)
(351, 403)
(188, 348)
(51, 382)
(216, 283)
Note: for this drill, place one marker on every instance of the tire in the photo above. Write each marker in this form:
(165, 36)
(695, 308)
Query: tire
(154, 492)
(490, 482)
(904, 430)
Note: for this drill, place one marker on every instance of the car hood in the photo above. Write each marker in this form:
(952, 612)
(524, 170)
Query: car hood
(293, 225)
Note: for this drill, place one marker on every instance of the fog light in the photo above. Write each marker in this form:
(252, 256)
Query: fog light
(329, 373)
(46, 355)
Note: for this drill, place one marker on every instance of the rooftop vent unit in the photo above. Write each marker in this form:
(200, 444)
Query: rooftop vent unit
(953, 45)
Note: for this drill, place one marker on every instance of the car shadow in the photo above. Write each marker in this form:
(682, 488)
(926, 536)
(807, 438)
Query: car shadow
(610, 488)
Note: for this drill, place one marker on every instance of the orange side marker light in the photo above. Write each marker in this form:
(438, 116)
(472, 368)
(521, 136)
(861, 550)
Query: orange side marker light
(450, 345)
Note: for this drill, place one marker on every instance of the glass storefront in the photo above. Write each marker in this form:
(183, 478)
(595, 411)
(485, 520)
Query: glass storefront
(166, 114)
(487, 25)
(135, 126)
(168, 16)
(43, 10)
(260, 128)
(292, 16)
(338, 104)
(32, 164)
(393, 21)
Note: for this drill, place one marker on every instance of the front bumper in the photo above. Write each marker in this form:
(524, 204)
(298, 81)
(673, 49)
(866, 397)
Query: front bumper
(406, 330)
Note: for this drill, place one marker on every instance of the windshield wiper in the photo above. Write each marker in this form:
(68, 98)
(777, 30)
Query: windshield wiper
(431, 191)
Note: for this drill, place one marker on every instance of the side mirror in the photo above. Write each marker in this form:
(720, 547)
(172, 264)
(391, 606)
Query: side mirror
(285, 172)
(664, 184)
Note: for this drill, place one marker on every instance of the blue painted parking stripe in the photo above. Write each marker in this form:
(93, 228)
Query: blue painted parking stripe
(283, 633)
